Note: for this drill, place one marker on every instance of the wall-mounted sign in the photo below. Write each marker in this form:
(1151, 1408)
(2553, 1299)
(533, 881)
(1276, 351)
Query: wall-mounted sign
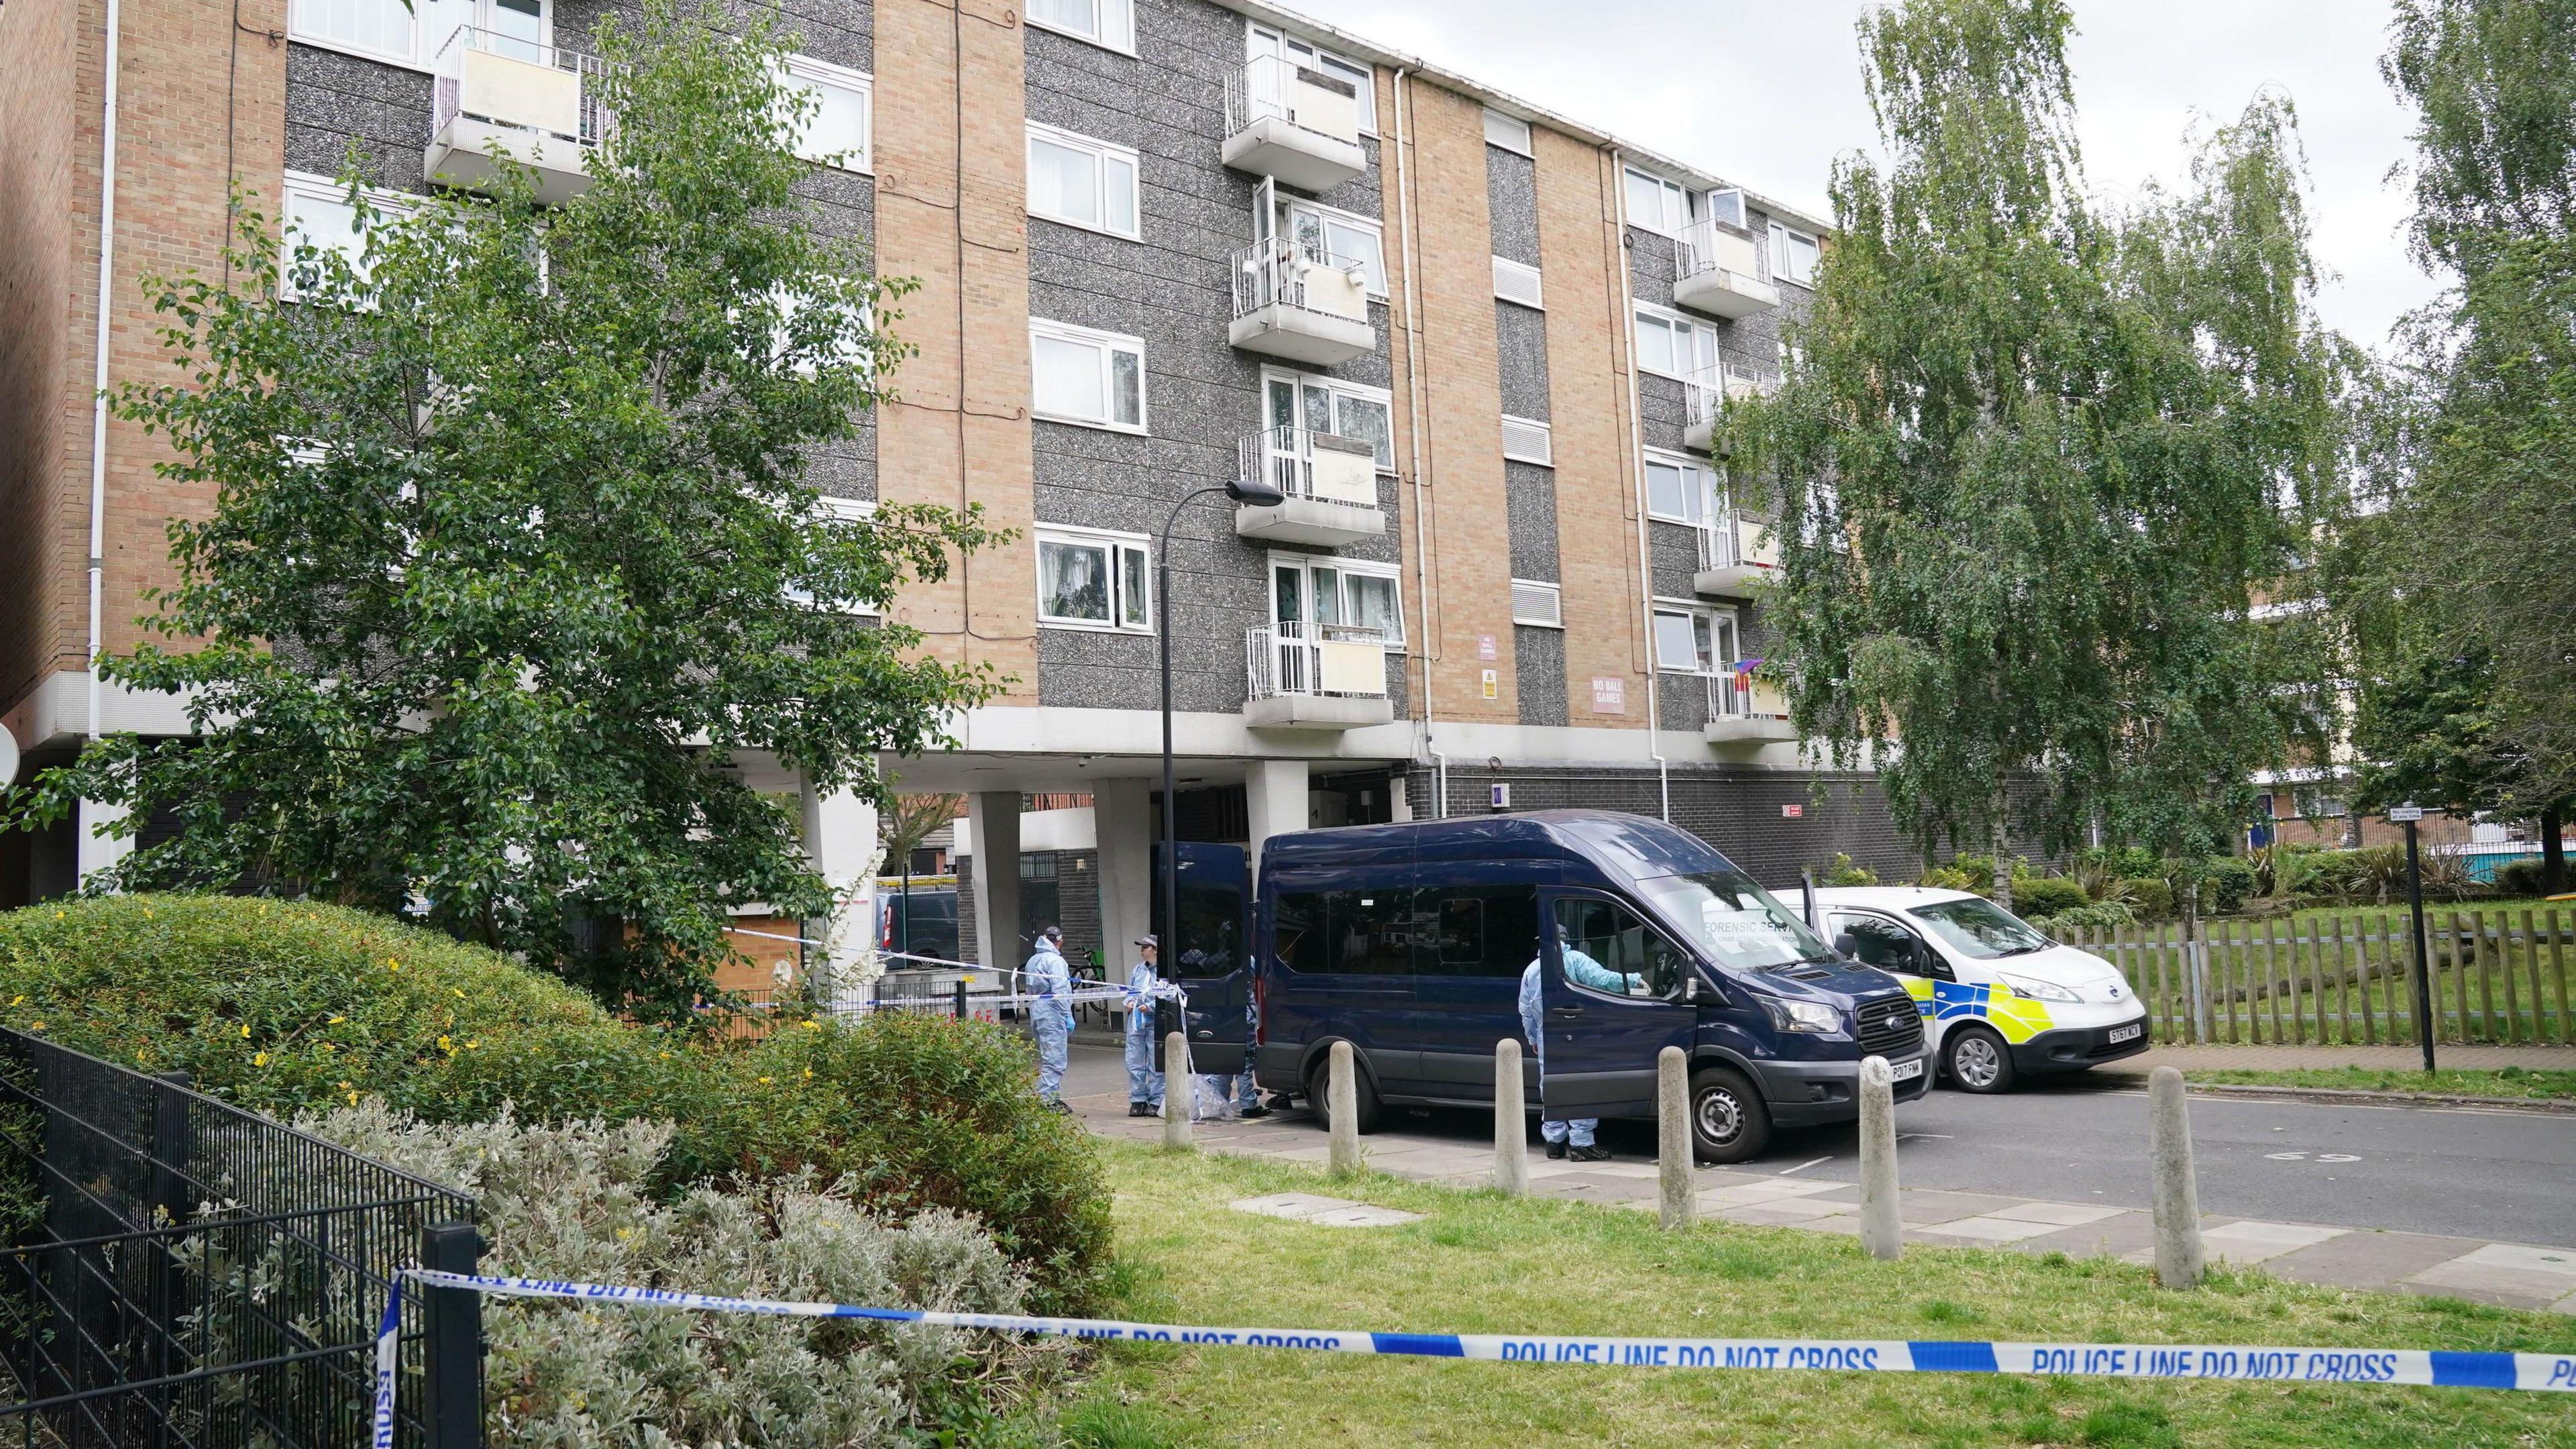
(1485, 647)
(1793, 812)
(1609, 694)
(1493, 684)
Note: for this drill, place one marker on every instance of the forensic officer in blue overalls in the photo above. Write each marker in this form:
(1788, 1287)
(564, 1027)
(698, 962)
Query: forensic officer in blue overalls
(1144, 1078)
(1571, 1140)
(1050, 1018)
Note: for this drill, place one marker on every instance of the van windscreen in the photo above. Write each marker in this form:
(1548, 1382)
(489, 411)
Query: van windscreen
(1735, 921)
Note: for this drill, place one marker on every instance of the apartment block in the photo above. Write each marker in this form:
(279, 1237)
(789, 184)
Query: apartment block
(1160, 245)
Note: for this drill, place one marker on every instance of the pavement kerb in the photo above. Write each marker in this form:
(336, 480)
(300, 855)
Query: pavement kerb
(2356, 1094)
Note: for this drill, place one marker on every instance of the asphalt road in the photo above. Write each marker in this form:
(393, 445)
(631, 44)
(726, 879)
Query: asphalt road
(2467, 1172)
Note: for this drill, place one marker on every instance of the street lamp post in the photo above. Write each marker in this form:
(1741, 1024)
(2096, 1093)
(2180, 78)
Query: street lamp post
(1167, 927)
(2407, 815)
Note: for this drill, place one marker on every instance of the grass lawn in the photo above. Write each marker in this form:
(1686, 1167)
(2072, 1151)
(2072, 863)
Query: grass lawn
(1480, 1263)
(2498, 1082)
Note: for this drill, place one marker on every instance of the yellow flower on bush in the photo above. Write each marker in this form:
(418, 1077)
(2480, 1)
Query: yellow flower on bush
(446, 1046)
(259, 1059)
(245, 1031)
(35, 1026)
(335, 1021)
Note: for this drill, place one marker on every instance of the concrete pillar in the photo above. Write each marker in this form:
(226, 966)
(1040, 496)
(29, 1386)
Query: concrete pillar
(2176, 1194)
(1122, 822)
(1673, 1152)
(1274, 796)
(995, 821)
(97, 852)
(1177, 1094)
(841, 839)
(1511, 1121)
(1882, 1233)
(1342, 1104)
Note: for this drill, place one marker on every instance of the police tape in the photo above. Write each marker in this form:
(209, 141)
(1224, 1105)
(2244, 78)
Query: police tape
(2468, 1370)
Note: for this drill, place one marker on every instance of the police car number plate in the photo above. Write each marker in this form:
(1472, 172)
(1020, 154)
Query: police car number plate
(2129, 1032)
(1906, 1071)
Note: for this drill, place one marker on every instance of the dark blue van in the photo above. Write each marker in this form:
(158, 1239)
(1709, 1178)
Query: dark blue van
(1409, 942)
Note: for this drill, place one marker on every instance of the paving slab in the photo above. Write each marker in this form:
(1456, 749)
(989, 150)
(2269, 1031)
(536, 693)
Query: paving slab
(1925, 1206)
(1775, 1190)
(2112, 1237)
(2252, 1241)
(1989, 1229)
(2372, 1260)
(1329, 1212)
(2483, 1283)
(1785, 1210)
(2515, 1256)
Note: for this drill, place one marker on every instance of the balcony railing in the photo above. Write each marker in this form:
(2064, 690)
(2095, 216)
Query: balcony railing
(1717, 270)
(1315, 659)
(1293, 274)
(1302, 463)
(1729, 697)
(1705, 394)
(471, 83)
(1274, 88)
(1718, 548)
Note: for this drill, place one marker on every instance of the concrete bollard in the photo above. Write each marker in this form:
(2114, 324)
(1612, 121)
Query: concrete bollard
(1511, 1122)
(1882, 1231)
(1676, 1200)
(1177, 1085)
(1342, 1105)
(2179, 1258)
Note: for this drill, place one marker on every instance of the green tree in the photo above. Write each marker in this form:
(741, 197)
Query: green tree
(2036, 462)
(515, 551)
(2467, 548)
(2427, 734)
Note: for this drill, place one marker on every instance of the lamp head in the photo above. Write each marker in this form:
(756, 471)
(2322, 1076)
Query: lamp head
(1255, 492)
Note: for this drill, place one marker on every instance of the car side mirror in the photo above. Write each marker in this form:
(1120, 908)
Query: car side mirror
(1929, 962)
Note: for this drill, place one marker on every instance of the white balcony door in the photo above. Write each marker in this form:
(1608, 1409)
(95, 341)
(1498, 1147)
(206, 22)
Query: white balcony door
(1296, 407)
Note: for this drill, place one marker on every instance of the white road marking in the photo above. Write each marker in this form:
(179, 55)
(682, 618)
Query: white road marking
(1803, 1166)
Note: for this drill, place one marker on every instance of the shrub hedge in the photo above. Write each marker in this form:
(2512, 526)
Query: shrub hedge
(286, 1007)
(2046, 895)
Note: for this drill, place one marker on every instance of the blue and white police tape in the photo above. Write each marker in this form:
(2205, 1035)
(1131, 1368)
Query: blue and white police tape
(388, 1363)
(2538, 1371)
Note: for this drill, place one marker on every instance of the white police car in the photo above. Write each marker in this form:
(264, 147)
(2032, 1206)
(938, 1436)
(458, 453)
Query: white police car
(2000, 1001)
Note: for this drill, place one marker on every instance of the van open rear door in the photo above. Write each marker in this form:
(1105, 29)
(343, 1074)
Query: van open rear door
(1213, 961)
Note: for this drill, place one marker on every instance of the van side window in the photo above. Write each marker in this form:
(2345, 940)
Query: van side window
(1607, 948)
(1298, 932)
(1368, 933)
(1475, 930)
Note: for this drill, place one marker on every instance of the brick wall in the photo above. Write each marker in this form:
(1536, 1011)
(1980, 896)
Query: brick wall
(200, 101)
(1596, 511)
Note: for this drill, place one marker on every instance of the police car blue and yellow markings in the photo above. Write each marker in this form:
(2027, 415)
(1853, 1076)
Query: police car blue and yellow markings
(2019, 1018)
(2479, 1370)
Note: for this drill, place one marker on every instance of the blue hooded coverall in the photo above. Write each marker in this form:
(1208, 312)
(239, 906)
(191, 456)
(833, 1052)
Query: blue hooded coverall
(1144, 1079)
(1051, 1020)
(1582, 970)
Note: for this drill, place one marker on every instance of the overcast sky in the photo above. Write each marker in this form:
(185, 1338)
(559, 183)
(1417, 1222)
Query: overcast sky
(1768, 92)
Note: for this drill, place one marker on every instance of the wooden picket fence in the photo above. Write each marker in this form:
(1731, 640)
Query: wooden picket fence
(2347, 978)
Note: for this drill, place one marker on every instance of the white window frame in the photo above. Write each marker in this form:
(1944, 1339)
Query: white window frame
(1343, 568)
(1514, 135)
(422, 51)
(1120, 38)
(1670, 318)
(1523, 276)
(1743, 206)
(313, 186)
(1116, 546)
(1781, 236)
(842, 510)
(1710, 500)
(1284, 224)
(1338, 389)
(1663, 223)
(1543, 431)
(1714, 615)
(1552, 589)
(1101, 153)
(807, 69)
(1365, 81)
(1109, 343)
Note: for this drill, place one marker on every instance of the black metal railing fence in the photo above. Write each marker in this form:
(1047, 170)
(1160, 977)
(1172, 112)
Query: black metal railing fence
(185, 1273)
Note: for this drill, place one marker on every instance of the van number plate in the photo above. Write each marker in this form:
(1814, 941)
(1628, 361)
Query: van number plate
(2129, 1032)
(1906, 1071)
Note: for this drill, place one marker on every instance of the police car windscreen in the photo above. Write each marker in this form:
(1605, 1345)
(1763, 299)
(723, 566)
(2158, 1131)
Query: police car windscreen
(1734, 921)
(1980, 930)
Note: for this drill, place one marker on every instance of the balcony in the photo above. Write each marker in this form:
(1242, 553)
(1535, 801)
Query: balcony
(1294, 301)
(1745, 711)
(1716, 271)
(1330, 485)
(1735, 556)
(1705, 395)
(538, 105)
(1315, 677)
(1292, 124)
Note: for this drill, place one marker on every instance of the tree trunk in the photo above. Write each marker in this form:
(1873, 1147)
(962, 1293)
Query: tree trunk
(2003, 867)
(2553, 852)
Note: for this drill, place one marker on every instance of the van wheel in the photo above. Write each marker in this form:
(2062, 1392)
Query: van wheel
(1977, 1061)
(1366, 1108)
(1729, 1120)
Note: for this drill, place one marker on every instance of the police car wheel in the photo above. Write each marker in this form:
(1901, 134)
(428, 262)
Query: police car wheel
(1729, 1122)
(1977, 1060)
(1366, 1108)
